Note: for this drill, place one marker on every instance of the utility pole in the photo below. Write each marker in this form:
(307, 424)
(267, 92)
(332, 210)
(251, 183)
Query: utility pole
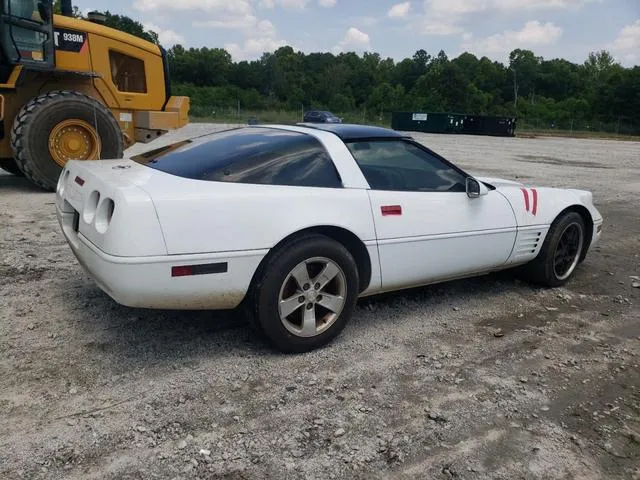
(515, 88)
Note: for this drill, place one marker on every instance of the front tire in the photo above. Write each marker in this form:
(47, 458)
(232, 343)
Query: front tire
(306, 294)
(58, 126)
(560, 253)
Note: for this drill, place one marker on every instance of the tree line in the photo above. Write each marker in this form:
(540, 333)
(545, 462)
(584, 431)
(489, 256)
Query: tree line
(555, 92)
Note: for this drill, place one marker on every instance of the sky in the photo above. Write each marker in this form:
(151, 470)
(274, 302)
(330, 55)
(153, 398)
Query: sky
(567, 29)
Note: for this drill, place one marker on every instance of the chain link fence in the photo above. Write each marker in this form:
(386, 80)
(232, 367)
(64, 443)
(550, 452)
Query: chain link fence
(611, 125)
(239, 114)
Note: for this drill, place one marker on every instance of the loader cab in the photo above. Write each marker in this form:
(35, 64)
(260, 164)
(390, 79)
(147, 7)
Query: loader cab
(26, 34)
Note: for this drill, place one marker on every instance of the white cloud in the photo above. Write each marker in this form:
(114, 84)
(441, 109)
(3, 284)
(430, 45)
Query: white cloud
(327, 3)
(540, 4)
(626, 47)
(532, 34)
(253, 47)
(462, 7)
(291, 4)
(250, 24)
(260, 36)
(235, 6)
(167, 38)
(447, 17)
(366, 21)
(354, 39)
(437, 28)
(229, 22)
(399, 10)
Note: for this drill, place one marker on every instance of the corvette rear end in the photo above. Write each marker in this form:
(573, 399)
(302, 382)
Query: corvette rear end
(112, 227)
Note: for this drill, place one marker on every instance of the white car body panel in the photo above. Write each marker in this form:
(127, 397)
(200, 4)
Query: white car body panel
(146, 282)
(134, 208)
(426, 243)
(162, 221)
(233, 216)
(536, 208)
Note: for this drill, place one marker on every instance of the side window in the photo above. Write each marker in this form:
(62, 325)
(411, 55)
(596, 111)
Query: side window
(304, 165)
(127, 73)
(402, 166)
(249, 155)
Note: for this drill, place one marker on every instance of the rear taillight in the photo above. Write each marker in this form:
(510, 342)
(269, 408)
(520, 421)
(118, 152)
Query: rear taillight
(91, 206)
(104, 214)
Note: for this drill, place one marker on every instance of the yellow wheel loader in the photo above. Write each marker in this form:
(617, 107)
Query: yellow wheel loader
(76, 89)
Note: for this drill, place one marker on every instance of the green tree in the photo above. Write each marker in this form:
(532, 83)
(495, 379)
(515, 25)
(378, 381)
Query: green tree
(552, 92)
(524, 66)
(57, 9)
(119, 22)
(128, 25)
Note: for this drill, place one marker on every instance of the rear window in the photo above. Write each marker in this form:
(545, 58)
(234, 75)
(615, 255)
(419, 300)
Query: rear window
(248, 155)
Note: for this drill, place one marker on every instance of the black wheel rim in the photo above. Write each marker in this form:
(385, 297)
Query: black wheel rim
(568, 251)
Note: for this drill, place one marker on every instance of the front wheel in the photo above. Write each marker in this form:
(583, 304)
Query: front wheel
(560, 252)
(307, 293)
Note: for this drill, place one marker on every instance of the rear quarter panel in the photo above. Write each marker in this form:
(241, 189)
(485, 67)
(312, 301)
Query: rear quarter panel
(201, 216)
(134, 230)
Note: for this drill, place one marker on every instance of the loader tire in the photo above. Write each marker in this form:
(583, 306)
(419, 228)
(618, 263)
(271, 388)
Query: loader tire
(58, 126)
(9, 165)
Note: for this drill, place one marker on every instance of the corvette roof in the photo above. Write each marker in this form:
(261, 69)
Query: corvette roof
(348, 131)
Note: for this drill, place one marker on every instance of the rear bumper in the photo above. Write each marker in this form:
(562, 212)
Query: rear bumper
(147, 282)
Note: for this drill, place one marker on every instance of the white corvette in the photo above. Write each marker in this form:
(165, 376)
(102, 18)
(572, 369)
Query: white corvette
(294, 223)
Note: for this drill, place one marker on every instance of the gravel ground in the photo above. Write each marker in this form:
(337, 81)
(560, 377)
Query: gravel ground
(481, 378)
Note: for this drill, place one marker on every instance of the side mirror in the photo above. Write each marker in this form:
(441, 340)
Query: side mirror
(475, 188)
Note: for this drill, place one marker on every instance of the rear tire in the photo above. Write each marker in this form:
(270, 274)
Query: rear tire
(560, 253)
(321, 306)
(33, 125)
(9, 165)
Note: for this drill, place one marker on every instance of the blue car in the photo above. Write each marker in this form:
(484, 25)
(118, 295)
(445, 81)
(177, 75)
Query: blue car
(319, 116)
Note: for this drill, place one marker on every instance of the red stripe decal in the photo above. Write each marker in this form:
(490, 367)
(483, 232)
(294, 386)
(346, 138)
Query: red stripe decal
(391, 210)
(535, 201)
(526, 198)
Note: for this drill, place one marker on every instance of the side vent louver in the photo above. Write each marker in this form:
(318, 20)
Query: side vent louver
(528, 243)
